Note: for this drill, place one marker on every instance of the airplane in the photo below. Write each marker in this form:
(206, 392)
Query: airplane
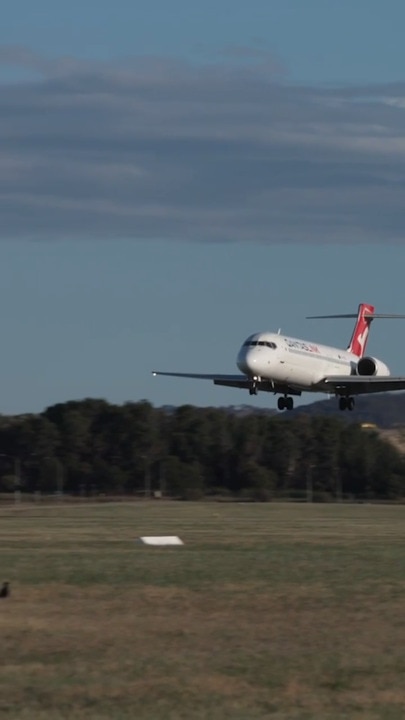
(286, 366)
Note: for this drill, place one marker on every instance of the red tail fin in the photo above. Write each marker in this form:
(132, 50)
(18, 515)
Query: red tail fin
(359, 338)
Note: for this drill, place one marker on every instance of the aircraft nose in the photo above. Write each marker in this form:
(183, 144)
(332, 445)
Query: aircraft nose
(247, 361)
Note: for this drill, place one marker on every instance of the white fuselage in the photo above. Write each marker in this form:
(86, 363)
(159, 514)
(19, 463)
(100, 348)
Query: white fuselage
(301, 363)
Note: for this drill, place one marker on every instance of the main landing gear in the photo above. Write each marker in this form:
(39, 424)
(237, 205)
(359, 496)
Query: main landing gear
(346, 403)
(285, 403)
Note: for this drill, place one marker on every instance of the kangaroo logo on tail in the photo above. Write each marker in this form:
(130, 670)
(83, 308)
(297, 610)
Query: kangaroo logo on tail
(358, 341)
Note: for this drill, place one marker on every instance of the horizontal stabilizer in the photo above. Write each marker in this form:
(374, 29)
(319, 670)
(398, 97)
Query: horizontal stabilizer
(361, 385)
(368, 316)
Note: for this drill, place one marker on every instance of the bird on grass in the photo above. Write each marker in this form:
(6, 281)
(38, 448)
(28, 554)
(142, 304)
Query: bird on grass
(5, 590)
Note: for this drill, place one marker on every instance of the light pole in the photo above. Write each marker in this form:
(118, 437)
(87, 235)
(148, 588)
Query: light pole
(59, 471)
(60, 479)
(146, 476)
(17, 475)
(59, 475)
(162, 478)
(310, 484)
(339, 492)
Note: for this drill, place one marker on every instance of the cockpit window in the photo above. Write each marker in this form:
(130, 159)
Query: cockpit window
(262, 343)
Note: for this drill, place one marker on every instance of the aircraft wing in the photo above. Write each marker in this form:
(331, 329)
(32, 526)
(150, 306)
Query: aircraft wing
(362, 385)
(230, 380)
(238, 381)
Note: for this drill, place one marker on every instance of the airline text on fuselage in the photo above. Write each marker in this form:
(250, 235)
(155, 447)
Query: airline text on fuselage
(298, 345)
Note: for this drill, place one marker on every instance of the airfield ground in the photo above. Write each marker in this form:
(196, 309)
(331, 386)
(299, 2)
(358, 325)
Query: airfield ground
(269, 611)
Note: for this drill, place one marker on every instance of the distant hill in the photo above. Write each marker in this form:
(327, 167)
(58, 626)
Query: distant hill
(387, 410)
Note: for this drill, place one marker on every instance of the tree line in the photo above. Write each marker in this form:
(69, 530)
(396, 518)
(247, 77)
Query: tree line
(92, 446)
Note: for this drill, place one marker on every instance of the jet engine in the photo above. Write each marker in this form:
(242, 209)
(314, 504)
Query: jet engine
(370, 366)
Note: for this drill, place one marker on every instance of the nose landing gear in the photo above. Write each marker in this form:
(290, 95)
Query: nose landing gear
(253, 390)
(346, 403)
(285, 403)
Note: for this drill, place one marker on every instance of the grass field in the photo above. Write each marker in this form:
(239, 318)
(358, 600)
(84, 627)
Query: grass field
(268, 611)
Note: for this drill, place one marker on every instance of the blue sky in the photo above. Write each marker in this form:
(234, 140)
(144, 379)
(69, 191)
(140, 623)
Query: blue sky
(173, 178)
(316, 40)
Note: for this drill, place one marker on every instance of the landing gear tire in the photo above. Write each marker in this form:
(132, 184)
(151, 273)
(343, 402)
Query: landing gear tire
(346, 403)
(253, 390)
(285, 403)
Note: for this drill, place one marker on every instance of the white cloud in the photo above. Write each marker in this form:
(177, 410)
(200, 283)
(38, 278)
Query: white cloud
(160, 148)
